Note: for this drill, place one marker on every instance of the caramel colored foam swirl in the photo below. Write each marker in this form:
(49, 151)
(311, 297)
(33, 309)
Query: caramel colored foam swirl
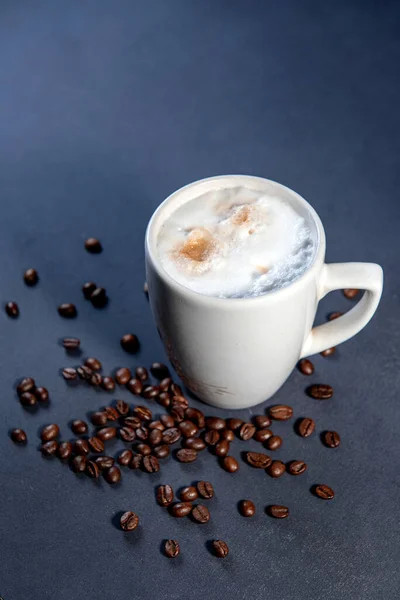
(198, 246)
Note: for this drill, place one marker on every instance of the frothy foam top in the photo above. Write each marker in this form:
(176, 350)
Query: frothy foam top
(235, 243)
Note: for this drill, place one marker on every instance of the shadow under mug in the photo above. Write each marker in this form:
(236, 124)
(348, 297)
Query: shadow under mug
(237, 352)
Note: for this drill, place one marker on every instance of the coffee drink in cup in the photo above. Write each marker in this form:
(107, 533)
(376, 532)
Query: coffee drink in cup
(235, 243)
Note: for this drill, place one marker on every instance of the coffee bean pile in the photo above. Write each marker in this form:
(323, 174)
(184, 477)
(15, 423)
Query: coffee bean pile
(151, 438)
(29, 394)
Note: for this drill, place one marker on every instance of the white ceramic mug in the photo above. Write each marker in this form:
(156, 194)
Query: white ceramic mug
(235, 353)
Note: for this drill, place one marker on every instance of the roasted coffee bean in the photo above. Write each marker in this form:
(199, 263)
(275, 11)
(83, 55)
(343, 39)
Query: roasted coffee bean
(112, 475)
(111, 413)
(31, 277)
(297, 467)
(171, 548)
(133, 422)
(274, 442)
(135, 386)
(350, 293)
(98, 418)
(49, 448)
(186, 455)
(196, 416)
(84, 372)
(331, 439)
(136, 461)
(222, 448)
(130, 343)
(71, 343)
(165, 384)
(69, 374)
(141, 373)
(178, 414)
(201, 514)
(123, 375)
(122, 407)
(108, 384)
(281, 412)
(278, 511)
(205, 489)
(142, 433)
(92, 469)
(159, 370)
(181, 403)
(96, 379)
(247, 508)
(161, 451)
(93, 363)
(258, 460)
(156, 425)
(106, 462)
(176, 390)
(151, 464)
(262, 435)
(96, 444)
(50, 432)
(64, 450)
(127, 434)
(334, 315)
(12, 310)
(81, 447)
(276, 468)
(171, 435)
(188, 494)
(143, 413)
(28, 399)
(26, 385)
(129, 521)
(220, 548)
(305, 366)
(18, 436)
(41, 394)
(262, 422)
(93, 246)
(188, 429)
(67, 310)
(181, 509)
(211, 437)
(227, 434)
(150, 391)
(247, 431)
(328, 351)
(320, 391)
(215, 423)
(78, 464)
(234, 424)
(164, 399)
(143, 449)
(88, 289)
(99, 297)
(155, 437)
(230, 464)
(106, 433)
(165, 495)
(306, 427)
(167, 421)
(194, 444)
(125, 457)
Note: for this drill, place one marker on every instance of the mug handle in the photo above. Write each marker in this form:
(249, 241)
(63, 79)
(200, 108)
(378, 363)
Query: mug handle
(337, 276)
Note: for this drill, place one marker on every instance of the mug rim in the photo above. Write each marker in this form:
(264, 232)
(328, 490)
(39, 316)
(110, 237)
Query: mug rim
(152, 254)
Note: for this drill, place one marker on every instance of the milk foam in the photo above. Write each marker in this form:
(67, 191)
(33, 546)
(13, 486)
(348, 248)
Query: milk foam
(235, 243)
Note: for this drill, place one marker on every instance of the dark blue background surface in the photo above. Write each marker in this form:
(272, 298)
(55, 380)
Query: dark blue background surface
(105, 109)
